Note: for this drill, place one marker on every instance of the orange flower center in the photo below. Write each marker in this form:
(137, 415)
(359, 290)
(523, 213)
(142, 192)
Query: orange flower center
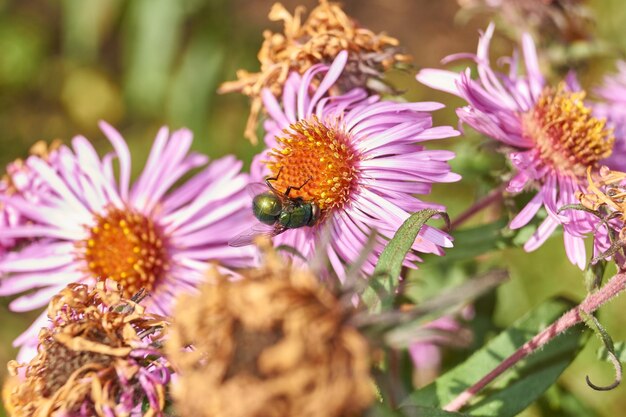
(319, 158)
(127, 247)
(566, 134)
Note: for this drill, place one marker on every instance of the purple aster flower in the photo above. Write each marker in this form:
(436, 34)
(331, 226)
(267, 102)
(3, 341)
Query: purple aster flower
(613, 108)
(94, 224)
(550, 137)
(358, 159)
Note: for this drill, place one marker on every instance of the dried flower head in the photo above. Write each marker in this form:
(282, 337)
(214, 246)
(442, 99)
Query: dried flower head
(10, 383)
(326, 32)
(608, 192)
(276, 341)
(99, 357)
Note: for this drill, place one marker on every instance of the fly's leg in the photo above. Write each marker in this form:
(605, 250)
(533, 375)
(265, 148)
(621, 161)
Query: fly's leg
(289, 188)
(296, 188)
(267, 181)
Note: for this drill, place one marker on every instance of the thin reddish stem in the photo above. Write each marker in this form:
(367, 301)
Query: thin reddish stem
(493, 197)
(590, 304)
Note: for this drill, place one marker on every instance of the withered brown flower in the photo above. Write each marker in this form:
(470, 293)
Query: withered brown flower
(274, 344)
(607, 191)
(10, 383)
(318, 39)
(99, 357)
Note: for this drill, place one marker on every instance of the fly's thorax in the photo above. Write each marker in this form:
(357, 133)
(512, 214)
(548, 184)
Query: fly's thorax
(296, 215)
(267, 207)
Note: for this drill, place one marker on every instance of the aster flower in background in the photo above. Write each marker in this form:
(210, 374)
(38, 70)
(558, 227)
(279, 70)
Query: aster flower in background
(22, 181)
(427, 353)
(359, 159)
(100, 357)
(564, 20)
(276, 343)
(325, 32)
(148, 236)
(613, 108)
(548, 133)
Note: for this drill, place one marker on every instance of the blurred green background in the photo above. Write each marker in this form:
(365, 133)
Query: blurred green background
(140, 64)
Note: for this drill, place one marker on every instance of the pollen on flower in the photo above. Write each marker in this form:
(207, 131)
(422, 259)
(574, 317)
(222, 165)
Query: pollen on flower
(127, 247)
(567, 136)
(319, 158)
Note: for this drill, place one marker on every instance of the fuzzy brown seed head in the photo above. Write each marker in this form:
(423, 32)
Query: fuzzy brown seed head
(276, 341)
(318, 39)
(79, 358)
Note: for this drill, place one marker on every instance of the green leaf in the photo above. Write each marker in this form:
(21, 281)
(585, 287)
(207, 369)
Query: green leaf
(389, 265)
(513, 391)
(558, 401)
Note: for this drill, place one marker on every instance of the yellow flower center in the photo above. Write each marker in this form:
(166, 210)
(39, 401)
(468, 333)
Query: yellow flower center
(321, 158)
(565, 133)
(127, 247)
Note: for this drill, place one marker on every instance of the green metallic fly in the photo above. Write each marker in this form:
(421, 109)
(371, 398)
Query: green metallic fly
(277, 211)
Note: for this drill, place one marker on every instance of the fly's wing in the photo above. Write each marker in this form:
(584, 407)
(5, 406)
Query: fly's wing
(256, 188)
(247, 237)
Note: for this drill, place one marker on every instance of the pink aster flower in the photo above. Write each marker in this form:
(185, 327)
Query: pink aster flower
(427, 352)
(151, 235)
(550, 137)
(613, 108)
(20, 180)
(359, 159)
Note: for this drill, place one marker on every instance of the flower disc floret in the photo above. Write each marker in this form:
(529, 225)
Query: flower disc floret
(567, 136)
(127, 247)
(318, 156)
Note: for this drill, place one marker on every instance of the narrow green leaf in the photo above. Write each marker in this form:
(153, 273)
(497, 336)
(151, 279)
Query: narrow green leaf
(620, 352)
(380, 410)
(519, 387)
(390, 261)
(592, 322)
